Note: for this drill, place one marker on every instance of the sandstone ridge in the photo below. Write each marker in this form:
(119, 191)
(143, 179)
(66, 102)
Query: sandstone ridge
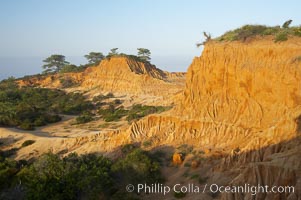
(121, 74)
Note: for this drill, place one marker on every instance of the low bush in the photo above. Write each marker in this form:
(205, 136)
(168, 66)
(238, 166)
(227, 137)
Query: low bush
(72, 68)
(8, 169)
(137, 167)
(27, 143)
(147, 143)
(117, 101)
(138, 111)
(126, 149)
(248, 31)
(133, 57)
(76, 177)
(111, 114)
(67, 82)
(194, 176)
(8, 153)
(185, 149)
(73, 177)
(28, 107)
(281, 36)
(102, 97)
(84, 118)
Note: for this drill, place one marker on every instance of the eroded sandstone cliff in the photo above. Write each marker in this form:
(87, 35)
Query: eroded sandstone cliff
(244, 98)
(234, 91)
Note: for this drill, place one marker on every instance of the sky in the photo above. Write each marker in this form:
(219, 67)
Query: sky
(32, 30)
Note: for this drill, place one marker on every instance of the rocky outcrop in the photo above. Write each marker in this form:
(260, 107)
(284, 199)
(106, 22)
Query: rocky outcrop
(177, 159)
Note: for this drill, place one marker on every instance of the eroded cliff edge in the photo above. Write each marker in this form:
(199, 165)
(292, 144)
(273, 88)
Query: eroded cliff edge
(238, 89)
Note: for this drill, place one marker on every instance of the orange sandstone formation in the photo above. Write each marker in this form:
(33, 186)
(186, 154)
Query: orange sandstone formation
(120, 75)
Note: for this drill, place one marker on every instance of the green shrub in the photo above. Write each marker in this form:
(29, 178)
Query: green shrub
(111, 114)
(117, 101)
(194, 176)
(71, 68)
(77, 177)
(270, 31)
(296, 31)
(128, 148)
(8, 169)
(185, 149)
(137, 167)
(52, 118)
(40, 121)
(133, 116)
(27, 143)
(138, 111)
(84, 118)
(67, 82)
(98, 98)
(73, 177)
(248, 31)
(27, 126)
(133, 57)
(30, 107)
(110, 95)
(281, 36)
(102, 97)
(8, 153)
(245, 32)
(201, 152)
(158, 156)
(147, 143)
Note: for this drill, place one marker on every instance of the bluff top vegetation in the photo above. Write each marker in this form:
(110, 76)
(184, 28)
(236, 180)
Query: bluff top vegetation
(280, 33)
(57, 63)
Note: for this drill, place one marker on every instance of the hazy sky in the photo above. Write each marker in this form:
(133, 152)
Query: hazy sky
(33, 29)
